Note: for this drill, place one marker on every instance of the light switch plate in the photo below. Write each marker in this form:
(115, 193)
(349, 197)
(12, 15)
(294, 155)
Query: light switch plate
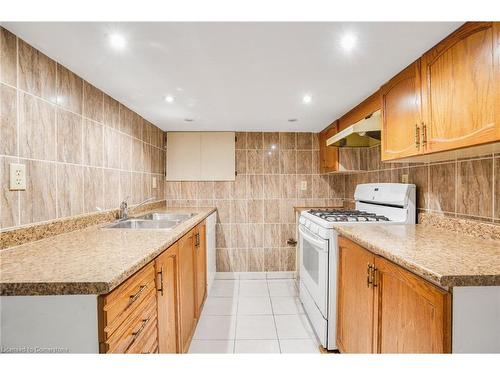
(17, 176)
(404, 179)
(154, 182)
(303, 185)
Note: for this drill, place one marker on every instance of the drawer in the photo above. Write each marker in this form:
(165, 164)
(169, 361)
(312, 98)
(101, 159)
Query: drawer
(116, 306)
(134, 327)
(147, 339)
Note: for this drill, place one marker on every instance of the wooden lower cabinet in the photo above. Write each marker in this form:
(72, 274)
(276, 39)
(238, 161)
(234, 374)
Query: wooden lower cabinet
(201, 267)
(354, 300)
(127, 313)
(411, 315)
(167, 297)
(156, 309)
(187, 296)
(383, 308)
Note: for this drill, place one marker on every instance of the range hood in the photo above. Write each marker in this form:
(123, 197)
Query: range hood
(364, 133)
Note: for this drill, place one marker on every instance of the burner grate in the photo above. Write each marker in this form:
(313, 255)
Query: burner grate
(347, 215)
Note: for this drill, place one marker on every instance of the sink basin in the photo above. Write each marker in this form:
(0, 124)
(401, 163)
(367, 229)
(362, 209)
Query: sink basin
(160, 216)
(143, 224)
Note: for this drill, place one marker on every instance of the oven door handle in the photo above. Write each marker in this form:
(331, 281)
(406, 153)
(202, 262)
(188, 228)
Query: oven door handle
(320, 243)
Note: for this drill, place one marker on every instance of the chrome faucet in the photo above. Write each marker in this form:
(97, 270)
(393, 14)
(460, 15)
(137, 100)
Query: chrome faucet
(123, 214)
(124, 211)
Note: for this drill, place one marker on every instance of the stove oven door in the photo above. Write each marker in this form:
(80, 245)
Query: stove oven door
(314, 267)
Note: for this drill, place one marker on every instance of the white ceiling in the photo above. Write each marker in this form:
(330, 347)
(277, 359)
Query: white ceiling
(236, 76)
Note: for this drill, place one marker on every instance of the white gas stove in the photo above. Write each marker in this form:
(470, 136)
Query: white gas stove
(384, 203)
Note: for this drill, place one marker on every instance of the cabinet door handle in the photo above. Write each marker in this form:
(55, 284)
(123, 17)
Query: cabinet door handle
(133, 297)
(161, 281)
(424, 133)
(417, 136)
(369, 280)
(375, 277)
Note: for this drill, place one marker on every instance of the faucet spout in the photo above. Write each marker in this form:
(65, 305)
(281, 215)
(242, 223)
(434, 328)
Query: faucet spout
(143, 203)
(124, 210)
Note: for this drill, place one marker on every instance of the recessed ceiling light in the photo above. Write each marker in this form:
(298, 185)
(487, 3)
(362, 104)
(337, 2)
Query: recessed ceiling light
(189, 119)
(348, 42)
(273, 147)
(307, 99)
(169, 99)
(117, 41)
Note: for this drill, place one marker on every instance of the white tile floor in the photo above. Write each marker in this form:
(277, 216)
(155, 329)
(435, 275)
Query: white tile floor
(253, 316)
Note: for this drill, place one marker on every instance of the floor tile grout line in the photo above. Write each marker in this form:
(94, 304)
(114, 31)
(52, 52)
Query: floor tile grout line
(236, 316)
(274, 318)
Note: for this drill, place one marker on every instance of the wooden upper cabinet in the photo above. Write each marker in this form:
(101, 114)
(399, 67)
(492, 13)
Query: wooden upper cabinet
(201, 267)
(328, 155)
(354, 299)
(361, 111)
(460, 77)
(167, 297)
(411, 315)
(401, 114)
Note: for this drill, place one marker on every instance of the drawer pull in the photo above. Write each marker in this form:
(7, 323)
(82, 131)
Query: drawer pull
(143, 325)
(137, 333)
(133, 297)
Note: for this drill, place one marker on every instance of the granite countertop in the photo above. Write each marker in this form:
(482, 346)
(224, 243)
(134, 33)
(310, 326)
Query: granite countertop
(88, 261)
(443, 257)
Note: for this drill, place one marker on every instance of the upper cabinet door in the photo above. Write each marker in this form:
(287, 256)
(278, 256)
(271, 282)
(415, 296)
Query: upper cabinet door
(401, 114)
(201, 156)
(328, 154)
(460, 89)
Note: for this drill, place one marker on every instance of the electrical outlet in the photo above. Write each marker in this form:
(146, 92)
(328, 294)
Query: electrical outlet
(17, 176)
(303, 185)
(404, 179)
(154, 182)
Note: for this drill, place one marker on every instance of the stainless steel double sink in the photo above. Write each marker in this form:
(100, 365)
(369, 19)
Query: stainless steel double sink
(154, 220)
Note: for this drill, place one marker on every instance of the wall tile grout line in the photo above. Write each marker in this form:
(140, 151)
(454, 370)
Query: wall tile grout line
(18, 145)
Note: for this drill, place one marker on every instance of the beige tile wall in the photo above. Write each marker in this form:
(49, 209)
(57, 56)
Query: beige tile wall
(83, 150)
(256, 214)
(464, 188)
